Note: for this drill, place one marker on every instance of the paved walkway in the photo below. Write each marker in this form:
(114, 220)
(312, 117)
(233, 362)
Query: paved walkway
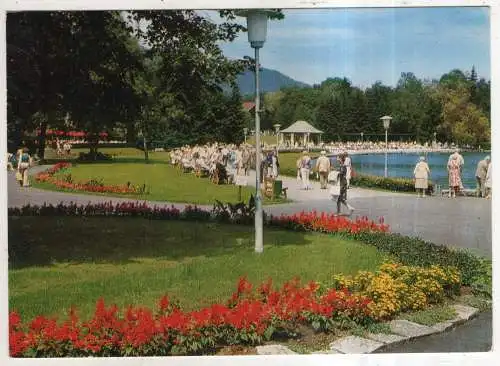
(462, 222)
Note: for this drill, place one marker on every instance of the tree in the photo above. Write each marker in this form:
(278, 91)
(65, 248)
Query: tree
(461, 119)
(81, 64)
(378, 104)
(191, 70)
(473, 75)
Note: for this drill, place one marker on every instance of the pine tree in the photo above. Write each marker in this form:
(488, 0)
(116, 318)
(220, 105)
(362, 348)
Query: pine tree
(473, 75)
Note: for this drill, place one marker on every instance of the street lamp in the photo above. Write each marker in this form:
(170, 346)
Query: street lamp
(387, 121)
(245, 132)
(362, 134)
(277, 129)
(257, 31)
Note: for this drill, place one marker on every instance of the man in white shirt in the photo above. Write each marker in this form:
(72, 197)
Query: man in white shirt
(323, 166)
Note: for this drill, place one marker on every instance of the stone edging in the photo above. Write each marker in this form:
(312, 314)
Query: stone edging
(403, 331)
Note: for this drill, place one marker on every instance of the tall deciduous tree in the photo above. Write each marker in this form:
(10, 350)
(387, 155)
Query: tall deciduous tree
(69, 62)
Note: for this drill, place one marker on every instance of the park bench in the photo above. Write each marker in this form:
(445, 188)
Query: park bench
(187, 168)
(463, 192)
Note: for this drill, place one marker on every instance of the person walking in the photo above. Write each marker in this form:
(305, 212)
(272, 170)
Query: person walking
(454, 179)
(22, 168)
(246, 160)
(488, 183)
(298, 165)
(275, 164)
(481, 171)
(421, 174)
(10, 162)
(342, 199)
(323, 166)
(305, 170)
(348, 164)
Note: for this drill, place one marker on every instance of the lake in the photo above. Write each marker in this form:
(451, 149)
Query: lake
(401, 165)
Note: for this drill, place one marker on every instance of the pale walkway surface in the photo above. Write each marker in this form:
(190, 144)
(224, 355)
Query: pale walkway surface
(297, 194)
(462, 222)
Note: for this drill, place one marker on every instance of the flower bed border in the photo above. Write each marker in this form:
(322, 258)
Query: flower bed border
(48, 176)
(251, 316)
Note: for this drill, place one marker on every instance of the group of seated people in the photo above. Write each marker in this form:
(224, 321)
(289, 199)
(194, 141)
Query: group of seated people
(221, 162)
(367, 146)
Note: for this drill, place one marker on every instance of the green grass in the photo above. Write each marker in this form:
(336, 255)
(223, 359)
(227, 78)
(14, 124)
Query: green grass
(478, 302)
(57, 262)
(430, 316)
(165, 182)
(265, 139)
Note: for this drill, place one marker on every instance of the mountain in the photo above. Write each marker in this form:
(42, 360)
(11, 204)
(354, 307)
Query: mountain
(270, 81)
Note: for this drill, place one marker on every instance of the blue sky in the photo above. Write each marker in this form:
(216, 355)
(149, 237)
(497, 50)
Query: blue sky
(367, 45)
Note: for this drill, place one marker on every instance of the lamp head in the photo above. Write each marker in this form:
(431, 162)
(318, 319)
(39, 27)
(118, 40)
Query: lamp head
(387, 121)
(256, 26)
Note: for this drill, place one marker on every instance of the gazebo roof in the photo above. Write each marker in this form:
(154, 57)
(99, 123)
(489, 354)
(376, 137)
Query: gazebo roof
(301, 127)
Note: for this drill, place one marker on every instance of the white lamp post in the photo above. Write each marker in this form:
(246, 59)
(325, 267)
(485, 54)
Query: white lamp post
(245, 132)
(362, 136)
(387, 121)
(257, 31)
(277, 129)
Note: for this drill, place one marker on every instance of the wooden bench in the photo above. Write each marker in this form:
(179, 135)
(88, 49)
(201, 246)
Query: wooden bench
(463, 192)
(187, 168)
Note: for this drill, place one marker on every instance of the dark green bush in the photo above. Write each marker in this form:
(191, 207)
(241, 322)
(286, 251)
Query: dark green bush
(417, 252)
(391, 184)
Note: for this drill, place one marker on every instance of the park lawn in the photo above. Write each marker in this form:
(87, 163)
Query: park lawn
(165, 182)
(55, 262)
(265, 139)
(121, 153)
(288, 162)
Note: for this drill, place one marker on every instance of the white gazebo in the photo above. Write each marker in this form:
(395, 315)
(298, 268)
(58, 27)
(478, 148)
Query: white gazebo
(303, 131)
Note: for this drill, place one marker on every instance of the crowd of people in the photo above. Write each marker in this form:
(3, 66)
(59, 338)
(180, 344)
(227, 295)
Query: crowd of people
(223, 162)
(62, 147)
(454, 167)
(367, 146)
(219, 161)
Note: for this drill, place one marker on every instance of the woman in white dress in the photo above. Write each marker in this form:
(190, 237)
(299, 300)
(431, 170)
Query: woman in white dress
(348, 165)
(305, 170)
(421, 174)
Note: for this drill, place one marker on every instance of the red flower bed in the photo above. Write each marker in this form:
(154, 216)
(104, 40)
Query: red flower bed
(312, 221)
(328, 223)
(48, 176)
(249, 317)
